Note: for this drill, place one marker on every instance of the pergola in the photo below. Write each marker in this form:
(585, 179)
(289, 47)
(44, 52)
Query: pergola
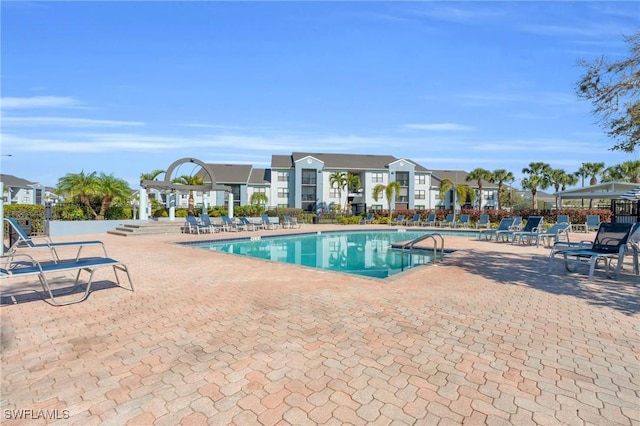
(624, 209)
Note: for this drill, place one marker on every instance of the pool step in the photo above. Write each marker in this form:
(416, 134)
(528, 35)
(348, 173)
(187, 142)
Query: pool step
(132, 230)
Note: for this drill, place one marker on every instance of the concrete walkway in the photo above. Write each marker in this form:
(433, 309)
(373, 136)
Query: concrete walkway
(488, 337)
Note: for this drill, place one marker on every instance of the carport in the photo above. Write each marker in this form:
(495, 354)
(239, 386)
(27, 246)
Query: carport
(625, 209)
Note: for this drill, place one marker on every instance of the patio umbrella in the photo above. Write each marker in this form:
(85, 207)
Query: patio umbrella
(633, 195)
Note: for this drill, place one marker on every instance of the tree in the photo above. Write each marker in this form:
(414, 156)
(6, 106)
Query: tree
(391, 192)
(190, 180)
(500, 177)
(560, 179)
(111, 189)
(593, 171)
(463, 192)
(80, 186)
(538, 178)
(338, 180)
(353, 186)
(628, 171)
(258, 200)
(613, 89)
(479, 175)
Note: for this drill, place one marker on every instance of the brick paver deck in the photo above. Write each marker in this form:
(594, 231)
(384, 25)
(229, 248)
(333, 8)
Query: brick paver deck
(488, 337)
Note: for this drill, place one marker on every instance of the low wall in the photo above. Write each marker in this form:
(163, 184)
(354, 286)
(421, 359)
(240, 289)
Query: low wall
(64, 228)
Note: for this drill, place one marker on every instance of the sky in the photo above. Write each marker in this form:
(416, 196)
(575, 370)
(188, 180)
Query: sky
(125, 88)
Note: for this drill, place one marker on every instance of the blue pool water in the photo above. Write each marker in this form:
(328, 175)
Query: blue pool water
(361, 253)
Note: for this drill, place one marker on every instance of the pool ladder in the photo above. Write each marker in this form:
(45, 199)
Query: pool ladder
(410, 246)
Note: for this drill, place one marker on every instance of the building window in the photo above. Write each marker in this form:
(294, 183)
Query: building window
(419, 207)
(489, 196)
(421, 194)
(377, 177)
(376, 207)
(283, 176)
(260, 189)
(308, 193)
(283, 206)
(420, 179)
(309, 176)
(283, 192)
(402, 178)
(437, 196)
(333, 193)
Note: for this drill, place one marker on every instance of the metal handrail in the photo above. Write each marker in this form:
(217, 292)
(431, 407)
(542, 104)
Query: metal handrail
(410, 245)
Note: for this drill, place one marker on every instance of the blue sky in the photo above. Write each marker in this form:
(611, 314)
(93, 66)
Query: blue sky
(128, 87)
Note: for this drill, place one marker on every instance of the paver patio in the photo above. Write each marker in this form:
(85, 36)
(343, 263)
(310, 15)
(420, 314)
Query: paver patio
(488, 337)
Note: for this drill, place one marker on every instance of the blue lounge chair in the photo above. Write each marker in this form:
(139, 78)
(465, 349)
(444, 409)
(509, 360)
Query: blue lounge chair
(268, 223)
(250, 225)
(533, 225)
(23, 265)
(448, 221)
(483, 222)
(415, 220)
(593, 222)
(399, 220)
(25, 240)
(230, 225)
(563, 218)
(488, 234)
(430, 220)
(367, 220)
(192, 226)
(206, 221)
(463, 222)
(557, 232)
(290, 222)
(609, 244)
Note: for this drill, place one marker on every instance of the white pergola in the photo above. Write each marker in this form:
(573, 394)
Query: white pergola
(599, 191)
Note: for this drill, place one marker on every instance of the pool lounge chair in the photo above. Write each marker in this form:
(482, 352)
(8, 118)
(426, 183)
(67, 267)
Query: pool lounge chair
(206, 221)
(23, 265)
(563, 218)
(533, 226)
(609, 244)
(448, 221)
(250, 225)
(367, 220)
(268, 223)
(289, 222)
(415, 220)
(488, 234)
(592, 223)
(25, 240)
(430, 220)
(192, 226)
(399, 220)
(517, 223)
(557, 232)
(231, 225)
(483, 222)
(463, 222)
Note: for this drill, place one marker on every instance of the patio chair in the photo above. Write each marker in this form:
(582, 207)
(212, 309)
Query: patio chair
(23, 265)
(399, 220)
(609, 244)
(415, 220)
(268, 223)
(230, 225)
(463, 222)
(192, 226)
(290, 222)
(634, 245)
(517, 223)
(533, 225)
(430, 220)
(563, 218)
(25, 240)
(557, 232)
(488, 234)
(592, 223)
(483, 222)
(449, 220)
(367, 220)
(206, 221)
(250, 225)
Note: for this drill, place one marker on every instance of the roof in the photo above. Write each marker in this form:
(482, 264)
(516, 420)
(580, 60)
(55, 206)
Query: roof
(15, 182)
(230, 173)
(259, 177)
(458, 177)
(341, 161)
(598, 191)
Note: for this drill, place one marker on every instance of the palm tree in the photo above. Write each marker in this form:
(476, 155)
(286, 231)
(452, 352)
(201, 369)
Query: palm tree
(538, 178)
(338, 180)
(500, 176)
(593, 170)
(258, 199)
(353, 185)
(628, 171)
(190, 180)
(111, 188)
(391, 191)
(479, 175)
(81, 186)
(560, 179)
(463, 192)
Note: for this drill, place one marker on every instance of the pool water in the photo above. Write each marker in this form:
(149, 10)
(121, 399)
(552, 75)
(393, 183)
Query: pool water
(362, 253)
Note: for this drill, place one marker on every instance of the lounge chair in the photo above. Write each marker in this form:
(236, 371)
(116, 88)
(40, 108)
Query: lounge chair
(634, 245)
(517, 223)
(192, 226)
(206, 221)
(533, 226)
(483, 222)
(592, 223)
(563, 218)
(463, 222)
(290, 222)
(415, 220)
(267, 223)
(250, 225)
(488, 234)
(24, 239)
(609, 244)
(548, 237)
(367, 220)
(230, 225)
(448, 221)
(430, 220)
(23, 265)
(399, 220)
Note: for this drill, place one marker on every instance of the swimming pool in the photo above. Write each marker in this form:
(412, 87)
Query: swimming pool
(366, 253)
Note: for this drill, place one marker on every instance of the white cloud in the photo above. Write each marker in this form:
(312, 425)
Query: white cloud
(438, 127)
(38, 102)
(65, 122)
